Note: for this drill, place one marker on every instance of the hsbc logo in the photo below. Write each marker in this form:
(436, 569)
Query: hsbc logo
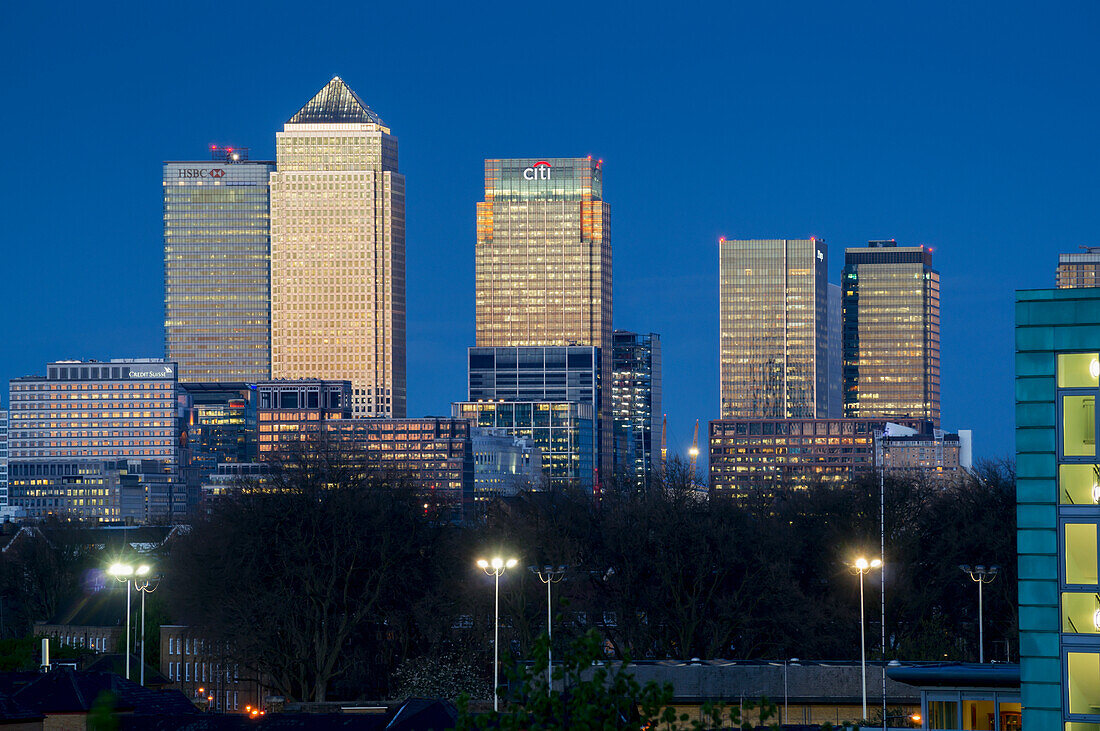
(201, 173)
(539, 171)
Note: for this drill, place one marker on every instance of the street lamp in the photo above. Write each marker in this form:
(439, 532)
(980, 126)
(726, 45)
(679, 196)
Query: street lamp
(495, 567)
(863, 566)
(126, 572)
(549, 575)
(144, 583)
(982, 575)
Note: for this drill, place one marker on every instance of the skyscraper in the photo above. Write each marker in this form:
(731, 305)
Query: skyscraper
(543, 262)
(216, 261)
(774, 328)
(1079, 269)
(891, 332)
(636, 403)
(338, 252)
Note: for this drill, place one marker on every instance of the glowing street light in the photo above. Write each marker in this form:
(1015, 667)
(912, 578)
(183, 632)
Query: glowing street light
(495, 567)
(863, 566)
(127, 573)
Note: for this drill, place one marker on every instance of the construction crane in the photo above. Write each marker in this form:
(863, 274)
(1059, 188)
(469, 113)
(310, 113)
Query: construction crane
(694, 451)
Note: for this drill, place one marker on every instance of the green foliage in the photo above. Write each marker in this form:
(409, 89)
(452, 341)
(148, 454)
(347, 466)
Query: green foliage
(596, 695)
(101, 716)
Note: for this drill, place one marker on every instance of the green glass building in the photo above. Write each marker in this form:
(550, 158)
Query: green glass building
(1058, 506)
(217, 251)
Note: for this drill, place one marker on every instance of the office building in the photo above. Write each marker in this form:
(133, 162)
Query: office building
(91, 411)
(338, 252)
(564, 433)
(636, 405)
(107, 490)
(754, 457)
(219, 427)
(3, 458)
(504, 465)
(1058, 522)
(543, 263)
(774, 328)
(935, 454)
(1079, 269)
(217, 245)
(219, 423)
(288, 409)
(891, 332)
(538, 374)
(432, 455)
(836, 353)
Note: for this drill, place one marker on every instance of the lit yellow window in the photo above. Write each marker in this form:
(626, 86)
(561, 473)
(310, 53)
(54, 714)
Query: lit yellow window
(1080, 544)
(1078, 370)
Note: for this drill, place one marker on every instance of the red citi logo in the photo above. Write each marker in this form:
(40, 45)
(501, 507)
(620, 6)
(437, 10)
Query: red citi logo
(539, 171)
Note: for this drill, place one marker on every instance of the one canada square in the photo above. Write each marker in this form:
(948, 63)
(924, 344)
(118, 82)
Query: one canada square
(543, 262)
(338, 251)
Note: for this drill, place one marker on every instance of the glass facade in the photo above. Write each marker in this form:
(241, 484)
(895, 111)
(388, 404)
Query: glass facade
(543, 261)
(636, 404)
(774, 328)
(89, 412)
(338, 252)
(216, 267)
(562, 431)
(891, 332)
(1058, 506)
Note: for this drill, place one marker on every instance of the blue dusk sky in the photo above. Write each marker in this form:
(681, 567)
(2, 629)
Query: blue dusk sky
(969, 127)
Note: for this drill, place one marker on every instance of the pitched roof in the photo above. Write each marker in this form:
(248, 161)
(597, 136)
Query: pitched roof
(67, 691)
(335, 103)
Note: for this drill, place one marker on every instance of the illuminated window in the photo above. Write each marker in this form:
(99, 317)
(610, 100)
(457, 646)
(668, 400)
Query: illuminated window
(1079, 426)
(1080, 550)
(1083, 672)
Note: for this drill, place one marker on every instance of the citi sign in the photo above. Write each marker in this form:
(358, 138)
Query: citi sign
(539, 171)
(201, 173)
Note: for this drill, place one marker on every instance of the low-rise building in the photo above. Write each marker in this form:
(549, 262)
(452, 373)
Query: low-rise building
(938, 454)
(203, 671)
(755, 456)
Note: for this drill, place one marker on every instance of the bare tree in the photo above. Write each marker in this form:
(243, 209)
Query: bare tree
(288, 573)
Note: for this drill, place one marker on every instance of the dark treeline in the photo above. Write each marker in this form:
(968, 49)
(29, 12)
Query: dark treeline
(331, 581)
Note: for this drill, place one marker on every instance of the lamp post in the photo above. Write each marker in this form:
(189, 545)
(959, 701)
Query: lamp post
(863, 566)
(982, 575)
(549, 575)
(145, 585)
(495, 567)
(125, 572)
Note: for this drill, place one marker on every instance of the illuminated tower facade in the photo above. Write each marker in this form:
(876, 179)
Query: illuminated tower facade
(216, 265)
(891, 332)
(338, 252)
(774, 328)
(543, 263)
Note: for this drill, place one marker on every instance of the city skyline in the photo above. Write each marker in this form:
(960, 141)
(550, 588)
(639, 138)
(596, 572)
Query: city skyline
(965, 177)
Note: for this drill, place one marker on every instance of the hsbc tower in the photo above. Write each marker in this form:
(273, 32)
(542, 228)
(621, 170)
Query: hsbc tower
(217, 248)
